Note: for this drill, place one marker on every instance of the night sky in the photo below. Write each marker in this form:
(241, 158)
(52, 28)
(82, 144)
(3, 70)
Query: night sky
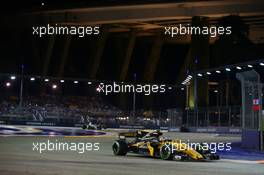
(18, 46)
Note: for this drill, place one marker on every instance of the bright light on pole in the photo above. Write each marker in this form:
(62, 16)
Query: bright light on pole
(32, 79)
(54, 86)
(13, 77)
(250, 66)
(8, 84)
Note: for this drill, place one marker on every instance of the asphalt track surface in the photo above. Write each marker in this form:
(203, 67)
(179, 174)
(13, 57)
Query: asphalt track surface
(18, 158)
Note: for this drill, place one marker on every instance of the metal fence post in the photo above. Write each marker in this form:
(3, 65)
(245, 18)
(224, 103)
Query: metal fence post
(229, 117)
(219, 115)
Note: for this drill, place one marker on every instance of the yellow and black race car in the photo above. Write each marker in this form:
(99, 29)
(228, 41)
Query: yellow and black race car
(151, 143)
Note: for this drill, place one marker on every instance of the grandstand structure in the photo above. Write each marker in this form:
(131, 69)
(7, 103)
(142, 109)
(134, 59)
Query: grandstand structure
(132, 41)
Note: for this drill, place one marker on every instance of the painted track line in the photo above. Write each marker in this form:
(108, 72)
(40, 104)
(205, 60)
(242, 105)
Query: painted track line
(240, 161)
(260, 161)
(95, 136)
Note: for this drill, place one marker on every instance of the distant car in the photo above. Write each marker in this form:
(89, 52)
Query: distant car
(151, 143)
(91, 126)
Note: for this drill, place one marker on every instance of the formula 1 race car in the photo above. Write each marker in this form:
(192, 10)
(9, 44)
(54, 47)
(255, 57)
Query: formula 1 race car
(91, 126)
(151, 143)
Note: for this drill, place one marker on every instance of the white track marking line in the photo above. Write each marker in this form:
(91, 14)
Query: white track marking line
(240, 161)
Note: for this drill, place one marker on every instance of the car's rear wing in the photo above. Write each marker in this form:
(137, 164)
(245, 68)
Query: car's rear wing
(134, 134)
(124, 135)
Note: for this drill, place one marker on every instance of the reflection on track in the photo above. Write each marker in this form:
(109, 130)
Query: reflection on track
(47, 131)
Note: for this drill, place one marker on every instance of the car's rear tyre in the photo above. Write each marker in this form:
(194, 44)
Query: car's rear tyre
(166, 152)
(120, 148)
(213, 156)
(84, 126)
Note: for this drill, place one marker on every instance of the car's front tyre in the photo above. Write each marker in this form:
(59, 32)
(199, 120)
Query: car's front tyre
(120, 148)
(166, 153)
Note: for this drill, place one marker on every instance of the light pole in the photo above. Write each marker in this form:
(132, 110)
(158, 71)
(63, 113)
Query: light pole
(187, 104)
(21, 87)
(196, 101)
(196, 94)
(134, 102)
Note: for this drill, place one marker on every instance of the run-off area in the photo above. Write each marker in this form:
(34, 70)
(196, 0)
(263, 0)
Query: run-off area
(18, 157)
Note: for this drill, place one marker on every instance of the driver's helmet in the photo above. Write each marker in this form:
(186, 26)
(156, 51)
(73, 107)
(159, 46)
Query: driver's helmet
(156, 134)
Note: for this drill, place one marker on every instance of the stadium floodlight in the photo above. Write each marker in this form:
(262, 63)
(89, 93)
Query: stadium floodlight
(262, 64)
(54, 86)
(249, 65)
(46, 80)
(32, 79)
(208, 73)
(187, 80)
(62, 81)
(200, 75)
(13, 77)
(8, 84)
(75, 82)
(216, 91)
(218, 71)
(182, 89)
(238, 68)
(89, 82)
(169, 87)
(228, 69)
